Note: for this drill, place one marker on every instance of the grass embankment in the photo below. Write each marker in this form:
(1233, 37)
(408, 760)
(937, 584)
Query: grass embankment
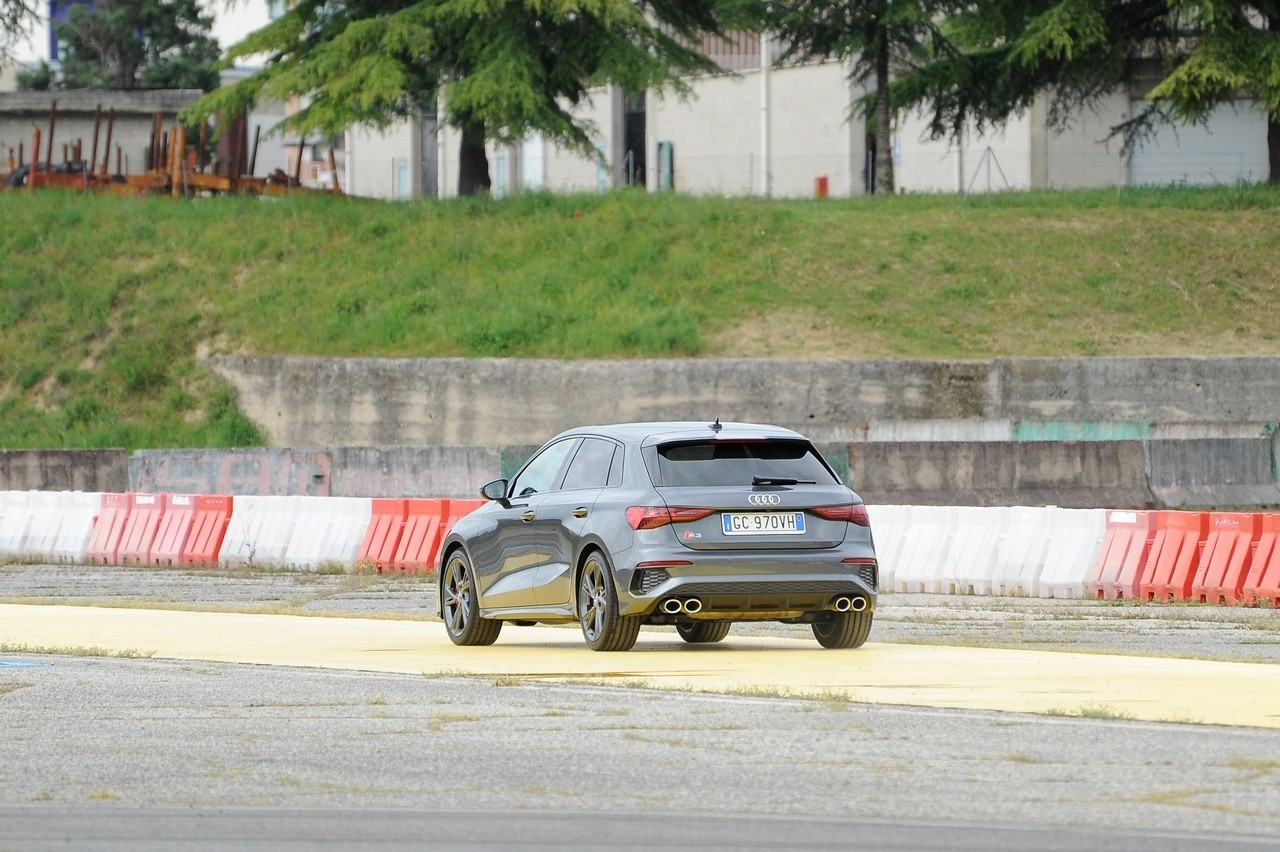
(105, 302)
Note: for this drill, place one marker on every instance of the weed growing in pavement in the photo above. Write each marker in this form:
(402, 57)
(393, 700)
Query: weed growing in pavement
(101, 795)
(1019, 757)
(437, 724)
(1092, 711)
(73, 651)
(1255, 769)
(6, 688)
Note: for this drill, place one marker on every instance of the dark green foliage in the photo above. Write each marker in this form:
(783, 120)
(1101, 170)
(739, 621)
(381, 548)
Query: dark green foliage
(129, 44)
(505, 68)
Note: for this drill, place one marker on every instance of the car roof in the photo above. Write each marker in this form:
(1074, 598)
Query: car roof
(657, 432)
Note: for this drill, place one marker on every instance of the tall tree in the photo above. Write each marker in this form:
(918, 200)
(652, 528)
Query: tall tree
(876, 36)
(505, 68)
(1002, 54)
(129, 44)
(16, 17)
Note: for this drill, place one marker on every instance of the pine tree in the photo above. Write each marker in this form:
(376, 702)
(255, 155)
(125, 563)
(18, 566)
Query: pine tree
(876, 36)
(1007, 52)
(130, 44)
(504, 68)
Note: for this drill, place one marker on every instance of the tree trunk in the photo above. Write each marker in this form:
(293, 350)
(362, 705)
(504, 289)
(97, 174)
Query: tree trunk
(473, 162)
(884, 132)
(1273, 148)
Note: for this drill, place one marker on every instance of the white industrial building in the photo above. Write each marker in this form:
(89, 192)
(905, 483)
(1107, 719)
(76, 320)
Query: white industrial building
(786, 132)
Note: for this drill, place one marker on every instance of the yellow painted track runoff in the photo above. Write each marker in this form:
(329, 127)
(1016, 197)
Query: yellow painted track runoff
(1145, 688)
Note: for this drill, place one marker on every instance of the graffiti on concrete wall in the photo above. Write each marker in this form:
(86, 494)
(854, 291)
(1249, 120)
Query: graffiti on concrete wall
(265, 472)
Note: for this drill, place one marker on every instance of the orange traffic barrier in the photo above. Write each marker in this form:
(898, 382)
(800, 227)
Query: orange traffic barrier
(386, 525)
(1262, 586)
(1175, 552)
(175, 526)
(139, 534)
(458, 509)
(108, 528)
(211, 516)
(1125, 545)
(423, 531)
(1228, 552)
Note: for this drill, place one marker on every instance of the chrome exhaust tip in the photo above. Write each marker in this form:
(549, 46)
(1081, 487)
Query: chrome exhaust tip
(842, 604)
(859, 604)
(692, 606)
(671, 606)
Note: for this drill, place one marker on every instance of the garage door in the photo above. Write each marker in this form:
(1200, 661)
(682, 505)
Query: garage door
(1231, 148)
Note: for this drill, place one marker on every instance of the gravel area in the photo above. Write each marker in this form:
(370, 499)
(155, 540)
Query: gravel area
(1239, 634)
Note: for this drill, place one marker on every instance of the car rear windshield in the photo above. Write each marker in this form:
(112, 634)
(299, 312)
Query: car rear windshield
(744, 463)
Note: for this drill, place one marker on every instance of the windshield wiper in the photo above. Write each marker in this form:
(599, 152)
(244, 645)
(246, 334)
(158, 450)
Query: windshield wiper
(780, 480)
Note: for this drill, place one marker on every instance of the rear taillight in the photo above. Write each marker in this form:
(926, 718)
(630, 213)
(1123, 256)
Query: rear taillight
(854, 513)
(652, 517)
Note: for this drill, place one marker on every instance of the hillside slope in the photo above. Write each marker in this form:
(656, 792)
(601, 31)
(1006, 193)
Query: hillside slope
(105, 303)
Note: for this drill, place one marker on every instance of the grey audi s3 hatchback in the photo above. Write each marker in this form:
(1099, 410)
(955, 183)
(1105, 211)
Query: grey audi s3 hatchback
(695, 525)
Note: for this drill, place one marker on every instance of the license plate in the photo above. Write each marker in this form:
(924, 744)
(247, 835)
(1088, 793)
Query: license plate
(763, 523)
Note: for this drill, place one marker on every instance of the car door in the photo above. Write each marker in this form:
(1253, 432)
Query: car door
(569, 508)
(521, 542)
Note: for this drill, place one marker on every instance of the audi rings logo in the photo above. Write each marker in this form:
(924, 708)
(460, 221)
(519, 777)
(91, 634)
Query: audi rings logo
(764, 499)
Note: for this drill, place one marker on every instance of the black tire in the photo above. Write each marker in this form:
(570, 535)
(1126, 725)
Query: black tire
(842, 629)
(460, 604)
(703, 632)
(602, 627)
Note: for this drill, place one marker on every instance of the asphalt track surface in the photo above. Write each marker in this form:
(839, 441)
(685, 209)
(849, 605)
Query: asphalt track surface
(265, 730)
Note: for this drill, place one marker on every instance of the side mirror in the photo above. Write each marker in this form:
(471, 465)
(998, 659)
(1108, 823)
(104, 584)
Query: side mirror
(496, 490)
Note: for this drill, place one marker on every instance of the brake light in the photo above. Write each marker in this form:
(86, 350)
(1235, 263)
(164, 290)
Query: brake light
(853, 513)
(652, 517)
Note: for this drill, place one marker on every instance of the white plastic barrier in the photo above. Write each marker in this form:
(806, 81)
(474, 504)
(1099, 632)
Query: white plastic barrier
(329, 531)
(260, 530)
(971, 559)
(1073, 549)
(15, 519)
(889, 526)
(1021, 553)
(46, 519)
(919, 564)
(75, 530)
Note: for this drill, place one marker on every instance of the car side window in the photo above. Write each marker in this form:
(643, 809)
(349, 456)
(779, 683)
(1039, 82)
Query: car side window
(539, 475)
(590, 465)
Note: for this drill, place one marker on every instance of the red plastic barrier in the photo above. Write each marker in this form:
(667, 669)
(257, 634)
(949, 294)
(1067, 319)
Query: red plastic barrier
(108, 528)
(1124, 550)
(1171, 565)
(423, 531)
(458, 509)
(208, 527)
(140, 529)
(386, 524)
(1228, 552)
(171, 536)
(1262, 586)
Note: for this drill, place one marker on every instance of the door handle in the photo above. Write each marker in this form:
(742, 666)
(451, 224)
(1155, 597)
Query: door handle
(580, 512)
(528, 516)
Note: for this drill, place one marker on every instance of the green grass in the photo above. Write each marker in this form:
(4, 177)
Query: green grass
(105, 302)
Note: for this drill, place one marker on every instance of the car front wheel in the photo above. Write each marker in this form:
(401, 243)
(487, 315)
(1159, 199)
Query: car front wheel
(460, 605)
(842, 629)
(602, 626)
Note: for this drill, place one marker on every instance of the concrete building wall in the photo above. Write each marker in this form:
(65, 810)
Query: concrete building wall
(382, 163)
(1080, 154)
(996, 160)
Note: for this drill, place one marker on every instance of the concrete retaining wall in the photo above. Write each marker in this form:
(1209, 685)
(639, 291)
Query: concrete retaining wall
(64, 470)
(498, 402)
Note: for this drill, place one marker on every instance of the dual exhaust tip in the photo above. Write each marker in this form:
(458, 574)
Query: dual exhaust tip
(844, 603)
(690, 606)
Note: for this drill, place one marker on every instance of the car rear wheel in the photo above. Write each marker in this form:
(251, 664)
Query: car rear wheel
(460, 605)
(702, 632)
(602, 626)
(842, 629)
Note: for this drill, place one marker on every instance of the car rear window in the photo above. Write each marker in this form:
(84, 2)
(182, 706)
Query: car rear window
(691, 463)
